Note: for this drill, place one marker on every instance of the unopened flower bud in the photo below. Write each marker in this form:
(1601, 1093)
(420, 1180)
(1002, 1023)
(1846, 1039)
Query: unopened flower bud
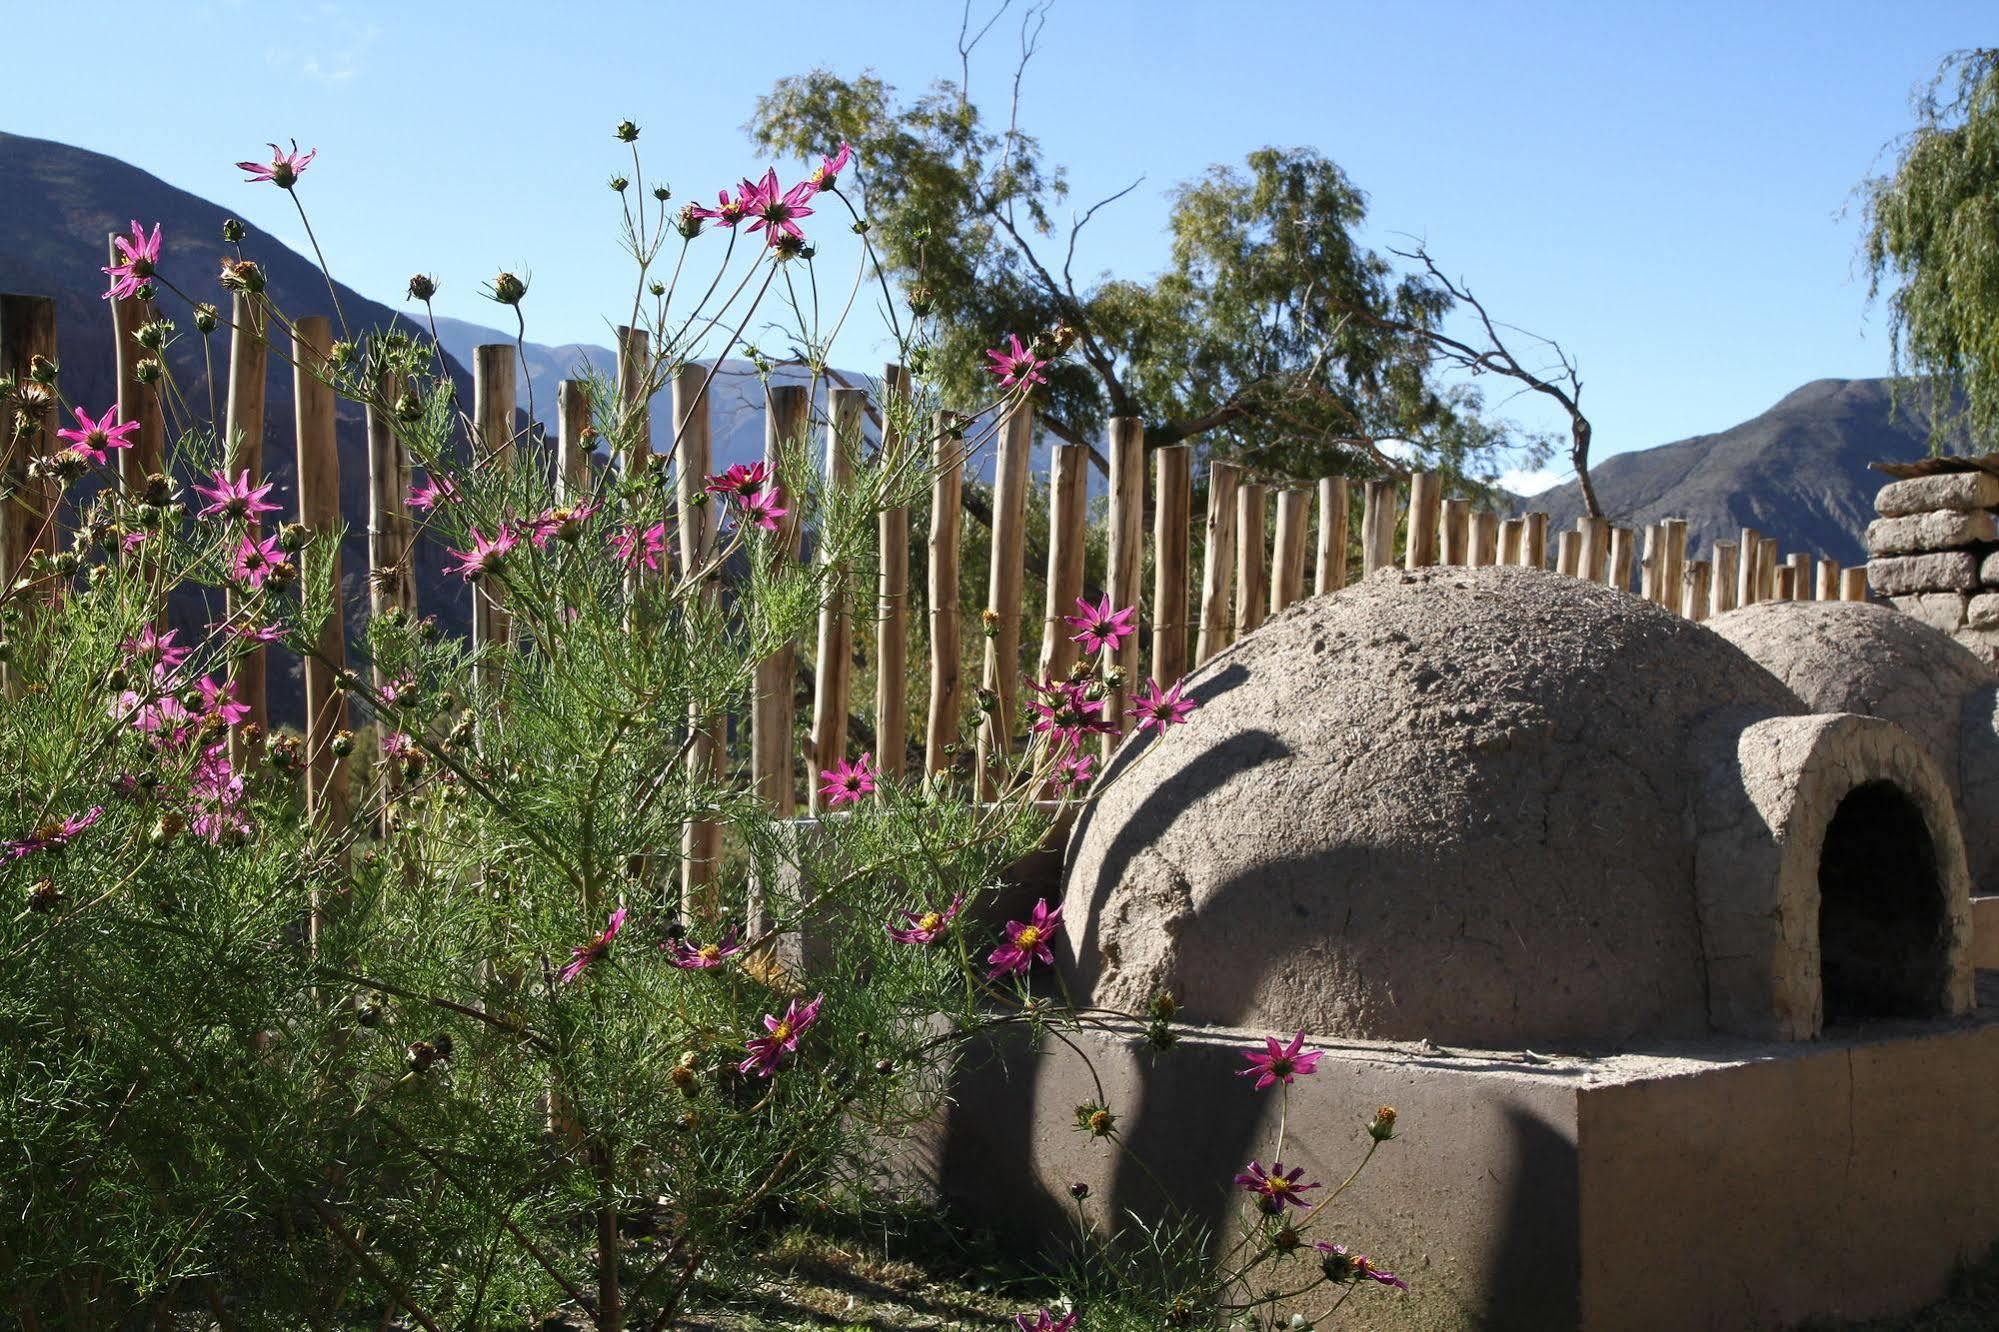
(294, 537)
(233, 231)
(206, 316)
(656, 287)
(342, 744)
(1079, 1190)
(154, 333)
(988, 700)
(1164, 1006)
(1383, 1127)
(422, 287)
(620, 184)
(43, 895)
(627, 132)
(689, 223)
(661, 193)
(420, 1056)
(157, 488)
(884, 1066)
(989, 620)
(242, 275)
(1285, 1239)
(149, 370)
(42, 370)
(921, 301)
(341, 354)
(508, 289)
(860, 226)
(66, 563)
(408, 406)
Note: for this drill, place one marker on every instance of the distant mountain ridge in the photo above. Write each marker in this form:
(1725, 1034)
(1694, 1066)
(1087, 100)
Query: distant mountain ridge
(1797, 472)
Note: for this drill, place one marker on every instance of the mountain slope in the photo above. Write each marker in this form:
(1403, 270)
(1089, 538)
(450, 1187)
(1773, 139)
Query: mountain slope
(1797, 472)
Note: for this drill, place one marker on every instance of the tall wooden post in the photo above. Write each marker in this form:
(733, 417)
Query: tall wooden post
(947, 466)
(1652, 569)
(1456, 548)
(1294, 520)
(1748, 581)
(493, 388)
(774, 710)
(1623, 542)
(1000, 676)
(1673, 575)
(391, 538)
(1568, 552)
(1172, 520)
(136, 401)
(1787, 583)
(1534, 550)
(319, 510)
(1694, 598)
(1331, 573)
(833, 664)
(1594, 564)
(1068, 542)
(1426, 497)
(892, 605)
(1726, 575)
(634, 389)
(1828, 589)
(1251, 558)
(1126, 571)
(573, 435)
(1513, 541)
(1218, 559)
(1766, 569)
(1379, 505)
(248, 361)
(1806, 573)
(27, 515)
(700, 525)
(1853, 584)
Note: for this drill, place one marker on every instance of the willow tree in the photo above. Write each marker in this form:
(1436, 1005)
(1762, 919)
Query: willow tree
(1932, 242)
(1273, 336)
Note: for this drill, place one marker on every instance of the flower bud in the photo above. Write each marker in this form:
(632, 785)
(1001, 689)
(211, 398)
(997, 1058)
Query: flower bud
(342, 744)
(149, 370)
(989, 620)
(145, 291)
(154, 334)
(242, 275)
(661, 193)
(1164, 1006)
(157, 488)
(422, 287)
(656, 287)
(1079, 1190)
(341, 354)
(1285, 1239)
(66, 562)
(620, 184)
(206, 316)
(420, 1056)
(921, 300)
(688, 223)
(43, 895)
(42, 370)
(233, 231)
(294, 537)
(408, 406)
(508, 289)
(627, 132)
(884, 1066)
(1383, 1127)
(860, 226)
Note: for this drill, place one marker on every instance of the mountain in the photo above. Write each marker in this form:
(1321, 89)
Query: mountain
(62, 203)
(1797, 472)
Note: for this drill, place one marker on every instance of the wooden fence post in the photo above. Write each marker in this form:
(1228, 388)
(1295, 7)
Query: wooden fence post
(1000, 677)
(1672, 584)
(319, 510)
(1125, 579)
(946, 684)
(833, 664)
(27, 516)
(1331, 573)
(700, 524)
(773, 711)
(1623, 543)
(1534, 549)
(1766, 569)
(1787, 583)
(892, 606)
(1694, 598)
(391, 539)
(1456, 532)
(1378, 514)
(1426, 498)
(136, 401)
(244, 449)
(1595, 557)
(1806, 571)
(1218, 559)
(634, 389)
(493, 387)
(1748, 579)
(573, 436)
(1251, 558)
(1294, 519)
(1853, 584)
(1651, 568)
(1568, 552)
(1172, 520)
(1513, 541)
(1828, 589)
(1484, 548)
(1727, 575)
(1068, 541)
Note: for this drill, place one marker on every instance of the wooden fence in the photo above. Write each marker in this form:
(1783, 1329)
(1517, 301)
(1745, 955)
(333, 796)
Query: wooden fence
(1258, 537)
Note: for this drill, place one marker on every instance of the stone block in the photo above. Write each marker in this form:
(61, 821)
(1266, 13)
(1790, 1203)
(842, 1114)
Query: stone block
(1921, 532)
(1948, 571)
(1923, 494)
(1982, 612)
(1947, 611)
(1988, 570)
(1983, 643)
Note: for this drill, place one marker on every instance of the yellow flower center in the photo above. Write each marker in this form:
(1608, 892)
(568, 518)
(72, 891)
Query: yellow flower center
(781, 1033)
(711, 953)
(1029, 936)
(929, 920)
(1279, 1184)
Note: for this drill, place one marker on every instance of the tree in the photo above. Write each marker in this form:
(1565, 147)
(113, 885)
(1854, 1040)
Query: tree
(1274, 336)
(1932, 239)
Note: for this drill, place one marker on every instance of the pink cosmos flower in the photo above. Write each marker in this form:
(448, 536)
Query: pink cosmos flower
(778, 212)
(436, 491)
(219, 795)
(218, 699)
(138, 258)
(257, 558)
(1342, 1265)
(1276, 1188)
(566, 523)
(767, 1052)
(741, 479)
(845, 783)
(631, 547)
(1065, 710)
(256, 633)
(132, 541)
(396, 745)
(1162, 708)
(485, 556)
(927, 927)
(91, 438)
(1279, 1062)
(53, 834)
(826, 175)
(1099, 627)
(161, 716)
(583, 955)
(234, 499)
(727, 212)
(1071, 774)
(1043, 1321)
(701, 957)
(762, 508)
(155, 649)
(282, 170)
(1026, 942)
(1014, 363)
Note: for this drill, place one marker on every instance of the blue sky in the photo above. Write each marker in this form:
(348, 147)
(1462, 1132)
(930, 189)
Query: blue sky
(1657, 184)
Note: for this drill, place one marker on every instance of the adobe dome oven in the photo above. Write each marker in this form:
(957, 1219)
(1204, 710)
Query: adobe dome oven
(1502, 807)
